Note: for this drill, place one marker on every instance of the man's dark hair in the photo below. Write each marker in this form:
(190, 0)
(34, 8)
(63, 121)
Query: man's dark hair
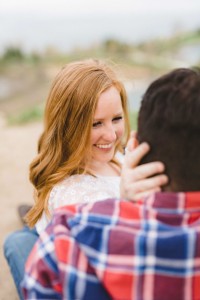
(169, 120)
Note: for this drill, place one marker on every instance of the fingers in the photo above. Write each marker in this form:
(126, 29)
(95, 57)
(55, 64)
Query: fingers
(150, 183)
(144, 194)
(130, 145)
(133, 134)
(146, 170)
(132, 142)
(135, 189)
(139, 180)
(132, 158)
(136, 183)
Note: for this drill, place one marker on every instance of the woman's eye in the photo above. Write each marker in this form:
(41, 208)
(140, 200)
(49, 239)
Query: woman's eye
(96, 124)
(118, 118)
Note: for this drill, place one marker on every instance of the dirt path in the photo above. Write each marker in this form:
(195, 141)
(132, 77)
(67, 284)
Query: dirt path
(17, 148)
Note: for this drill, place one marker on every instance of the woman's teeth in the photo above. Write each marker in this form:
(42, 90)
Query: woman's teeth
(104, 146)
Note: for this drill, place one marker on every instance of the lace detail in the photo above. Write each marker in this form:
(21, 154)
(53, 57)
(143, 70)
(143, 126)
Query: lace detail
(80, 189)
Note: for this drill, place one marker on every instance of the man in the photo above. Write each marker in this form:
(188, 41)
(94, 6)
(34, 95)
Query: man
(144, 250)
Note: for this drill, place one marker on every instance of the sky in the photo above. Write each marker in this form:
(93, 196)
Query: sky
(67, 24)
(81, 7)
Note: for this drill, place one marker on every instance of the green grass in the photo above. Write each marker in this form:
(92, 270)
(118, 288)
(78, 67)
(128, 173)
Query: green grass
(133, 119)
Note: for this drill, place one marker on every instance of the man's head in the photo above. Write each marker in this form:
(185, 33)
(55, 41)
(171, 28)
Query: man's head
(169, 120)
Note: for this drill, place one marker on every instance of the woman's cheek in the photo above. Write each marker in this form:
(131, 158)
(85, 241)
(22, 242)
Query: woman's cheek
(120, 130)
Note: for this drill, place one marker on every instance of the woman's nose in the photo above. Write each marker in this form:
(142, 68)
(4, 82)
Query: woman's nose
(110, 133)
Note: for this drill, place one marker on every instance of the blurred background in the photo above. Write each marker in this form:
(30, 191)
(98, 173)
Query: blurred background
(143, 38)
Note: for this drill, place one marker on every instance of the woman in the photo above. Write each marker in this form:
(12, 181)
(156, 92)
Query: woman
(79, 159)
(86, 124)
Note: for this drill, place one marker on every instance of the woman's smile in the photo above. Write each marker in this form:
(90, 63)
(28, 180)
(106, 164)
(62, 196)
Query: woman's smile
(104, 146)
(108, 126)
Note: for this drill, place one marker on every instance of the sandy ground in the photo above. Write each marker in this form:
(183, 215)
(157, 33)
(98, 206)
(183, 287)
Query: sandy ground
(17, 148)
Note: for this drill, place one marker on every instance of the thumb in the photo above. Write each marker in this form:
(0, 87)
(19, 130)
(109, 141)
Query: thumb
(132, 142)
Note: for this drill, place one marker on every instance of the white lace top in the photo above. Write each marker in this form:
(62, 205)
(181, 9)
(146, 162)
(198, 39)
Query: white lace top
(80, 189)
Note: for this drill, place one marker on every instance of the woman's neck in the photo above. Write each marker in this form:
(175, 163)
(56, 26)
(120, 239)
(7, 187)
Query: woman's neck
(104, 169)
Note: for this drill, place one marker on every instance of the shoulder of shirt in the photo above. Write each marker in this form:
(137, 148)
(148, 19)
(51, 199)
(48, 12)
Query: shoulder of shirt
(72, 181)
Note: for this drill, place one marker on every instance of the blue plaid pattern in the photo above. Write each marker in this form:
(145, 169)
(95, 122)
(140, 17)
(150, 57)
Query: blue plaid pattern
(114, 249)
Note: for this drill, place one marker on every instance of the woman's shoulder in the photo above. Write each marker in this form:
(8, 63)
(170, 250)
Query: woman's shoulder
(76, 180)
(82, 188)
(71, 190)
(79, 183)
(68, 191)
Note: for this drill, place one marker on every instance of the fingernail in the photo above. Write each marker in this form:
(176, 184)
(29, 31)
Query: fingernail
(146, 145)
(161, 166)
(164, 178)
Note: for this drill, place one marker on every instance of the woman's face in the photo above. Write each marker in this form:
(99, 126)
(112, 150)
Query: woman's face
(108, 125)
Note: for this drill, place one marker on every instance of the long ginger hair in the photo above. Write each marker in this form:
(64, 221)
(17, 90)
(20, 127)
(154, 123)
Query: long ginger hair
(64, 146)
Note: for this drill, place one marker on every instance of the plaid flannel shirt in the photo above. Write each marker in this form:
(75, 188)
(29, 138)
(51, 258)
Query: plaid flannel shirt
(112, 249)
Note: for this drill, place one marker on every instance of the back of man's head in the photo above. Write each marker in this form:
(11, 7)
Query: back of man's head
(169, 120)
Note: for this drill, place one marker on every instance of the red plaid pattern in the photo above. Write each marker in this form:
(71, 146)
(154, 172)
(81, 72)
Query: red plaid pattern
(112, 249)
